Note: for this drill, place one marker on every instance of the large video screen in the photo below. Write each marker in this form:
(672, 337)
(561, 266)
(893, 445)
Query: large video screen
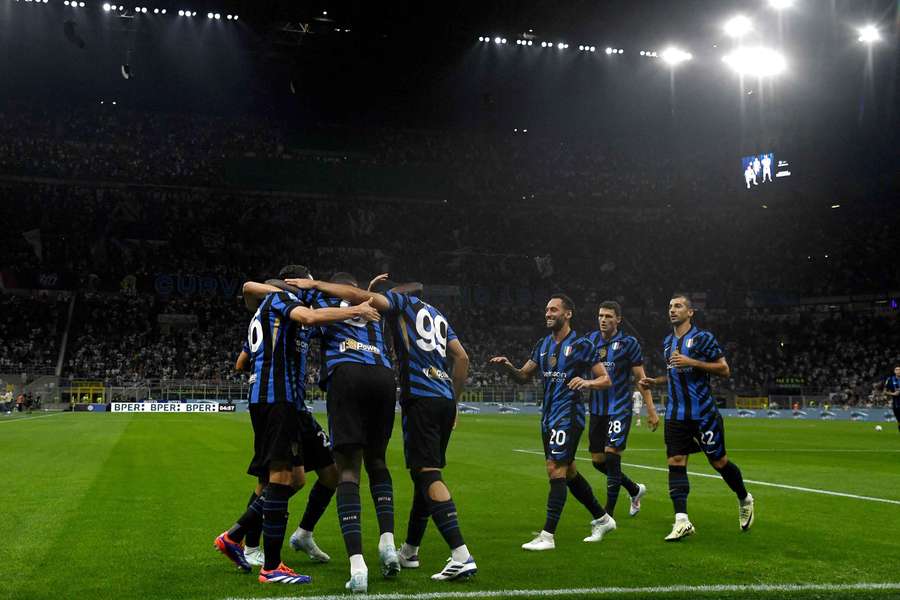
(762, 169)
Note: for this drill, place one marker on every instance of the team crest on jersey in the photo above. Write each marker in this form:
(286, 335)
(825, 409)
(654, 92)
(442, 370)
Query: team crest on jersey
(552, 360)
(602, 353)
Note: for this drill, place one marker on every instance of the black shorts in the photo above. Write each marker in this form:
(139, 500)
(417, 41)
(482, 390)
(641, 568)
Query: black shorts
(427, 424)
(561, 442)
(275, 437)
(360, 403)
(314, 444)
(609, 431)
(688, 437)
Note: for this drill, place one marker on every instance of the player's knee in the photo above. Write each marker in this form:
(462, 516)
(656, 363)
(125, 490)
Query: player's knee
(281, 474)
(677, 461)
(431, 484)
(328, 476)
(719, 463)
(611, 450)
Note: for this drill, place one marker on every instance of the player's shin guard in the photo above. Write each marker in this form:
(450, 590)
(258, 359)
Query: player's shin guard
(613, 480)
(253, 533)
(275, 516)
(349, 516)
(443, 512)
(319, 497)
(556, 500)
(418, 517)
(679, 488)
(382, 489)
(250, 522)
(732, 476)
(582, 492)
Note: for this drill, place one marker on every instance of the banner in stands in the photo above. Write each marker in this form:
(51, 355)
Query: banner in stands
(164, 407)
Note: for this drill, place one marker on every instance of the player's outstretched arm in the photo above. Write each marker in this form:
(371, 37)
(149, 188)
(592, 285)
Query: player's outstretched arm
(601, 380)
(460, 369)
(323, 316)
(351, 294)
(243, 361)
(652, 416)
(254, 293)
(522, 375)
(648, 382)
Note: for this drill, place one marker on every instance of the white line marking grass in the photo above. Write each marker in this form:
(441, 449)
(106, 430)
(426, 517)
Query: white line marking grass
(776, 588)
(795, 488)
(20, 419)
(791, 450)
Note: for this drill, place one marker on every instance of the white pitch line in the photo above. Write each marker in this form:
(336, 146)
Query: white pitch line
(777, 588)
(816, 450)
(795, 488)
(32, 418)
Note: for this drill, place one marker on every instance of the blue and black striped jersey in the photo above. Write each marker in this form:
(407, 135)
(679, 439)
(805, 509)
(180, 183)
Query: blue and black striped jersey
(559, 364)
(618, 354)
(892, 384)
(274, 355)
(421, 334)
(690, 395)
(352, 341)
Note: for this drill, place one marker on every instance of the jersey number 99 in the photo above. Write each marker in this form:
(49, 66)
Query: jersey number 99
(432, 333)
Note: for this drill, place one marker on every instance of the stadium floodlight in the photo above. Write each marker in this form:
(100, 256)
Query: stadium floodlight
(209, 15)
(756, 61)
(781, 4)
(503, 41)
(106, 7)
(581, 47)
(674, 56)
(609, 50)
(593, 48)
(155, 11)
(560, 46)
(180, 13)
(218, 16)
(869, 34)
(738, 26)
(163, 11)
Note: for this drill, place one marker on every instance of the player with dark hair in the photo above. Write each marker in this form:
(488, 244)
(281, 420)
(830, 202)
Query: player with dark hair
(693, 422)
(611, 409)
(564, 359)
(275, 401)
(892, 389)
(433, 367)
(313, 441)
(358, 378)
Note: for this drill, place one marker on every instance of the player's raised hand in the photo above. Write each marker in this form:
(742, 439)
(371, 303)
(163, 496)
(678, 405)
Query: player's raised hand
(303, 284)
(377, 279)
(500, 361)
(367, 312)
(577, 383)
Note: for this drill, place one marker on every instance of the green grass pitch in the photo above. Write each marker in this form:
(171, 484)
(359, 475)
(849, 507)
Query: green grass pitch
(127, 506)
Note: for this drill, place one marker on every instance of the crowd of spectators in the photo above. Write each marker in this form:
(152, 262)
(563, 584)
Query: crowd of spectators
(129, 211)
